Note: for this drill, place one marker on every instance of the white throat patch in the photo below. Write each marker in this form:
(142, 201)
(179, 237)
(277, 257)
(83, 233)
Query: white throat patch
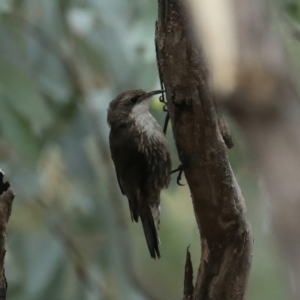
(140, 108)
(144, 120)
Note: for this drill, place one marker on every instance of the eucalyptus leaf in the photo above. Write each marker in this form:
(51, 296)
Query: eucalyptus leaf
(292, 9)
(16, 129)
(5, 6)
(22, 93)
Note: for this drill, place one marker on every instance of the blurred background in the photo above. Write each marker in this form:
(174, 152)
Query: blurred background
(70, 235)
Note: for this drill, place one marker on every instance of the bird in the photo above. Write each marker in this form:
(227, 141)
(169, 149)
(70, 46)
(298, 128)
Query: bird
(141, 157)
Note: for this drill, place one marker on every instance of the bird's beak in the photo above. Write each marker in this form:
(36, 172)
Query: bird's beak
(150, 94)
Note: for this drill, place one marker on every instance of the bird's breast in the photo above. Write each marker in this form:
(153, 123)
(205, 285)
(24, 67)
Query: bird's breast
(147, 125)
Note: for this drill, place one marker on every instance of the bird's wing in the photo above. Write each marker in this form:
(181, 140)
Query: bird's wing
(131, 166)
(118, 178)
(114, 155)
(133, 169)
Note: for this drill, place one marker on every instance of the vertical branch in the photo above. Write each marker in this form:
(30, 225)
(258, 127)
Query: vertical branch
(218, 203)
(6, 199)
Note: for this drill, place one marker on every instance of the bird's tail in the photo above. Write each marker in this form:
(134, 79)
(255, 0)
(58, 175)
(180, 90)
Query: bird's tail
(150, 231)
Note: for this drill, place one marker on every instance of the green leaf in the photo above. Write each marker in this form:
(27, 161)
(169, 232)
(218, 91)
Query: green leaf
(23, 95)
(292, 9)
(17, 130)
(5, 6)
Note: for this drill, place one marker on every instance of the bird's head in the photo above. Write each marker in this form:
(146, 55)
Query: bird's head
(128, 104)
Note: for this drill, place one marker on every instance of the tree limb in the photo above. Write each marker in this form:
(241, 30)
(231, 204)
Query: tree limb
(264, 102)
(218, 203)
(6, 199)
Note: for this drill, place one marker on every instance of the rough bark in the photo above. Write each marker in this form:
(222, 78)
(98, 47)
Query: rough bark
(188, 290)
(6, 199)
(218, 203)
(265, 103)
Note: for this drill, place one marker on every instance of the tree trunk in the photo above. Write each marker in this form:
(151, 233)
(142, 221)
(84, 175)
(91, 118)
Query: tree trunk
(264, 101)
(201, 141)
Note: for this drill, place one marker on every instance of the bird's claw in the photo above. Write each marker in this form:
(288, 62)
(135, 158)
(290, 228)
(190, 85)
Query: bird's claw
(162, 100)
(180, 171)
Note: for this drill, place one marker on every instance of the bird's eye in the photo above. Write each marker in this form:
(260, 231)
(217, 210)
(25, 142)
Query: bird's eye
(134, 100)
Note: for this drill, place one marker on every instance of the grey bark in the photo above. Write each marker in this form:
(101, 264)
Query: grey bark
(219, 208)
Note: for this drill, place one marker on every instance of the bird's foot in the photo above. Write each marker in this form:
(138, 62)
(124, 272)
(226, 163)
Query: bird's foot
(165, 108)
(180, 171)
(162, 100)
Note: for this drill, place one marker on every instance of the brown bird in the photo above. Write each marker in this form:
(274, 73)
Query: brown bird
(142, 159)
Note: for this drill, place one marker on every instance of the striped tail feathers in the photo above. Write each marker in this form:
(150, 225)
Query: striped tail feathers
(140, 208)
(150, 230)
(155, 210)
